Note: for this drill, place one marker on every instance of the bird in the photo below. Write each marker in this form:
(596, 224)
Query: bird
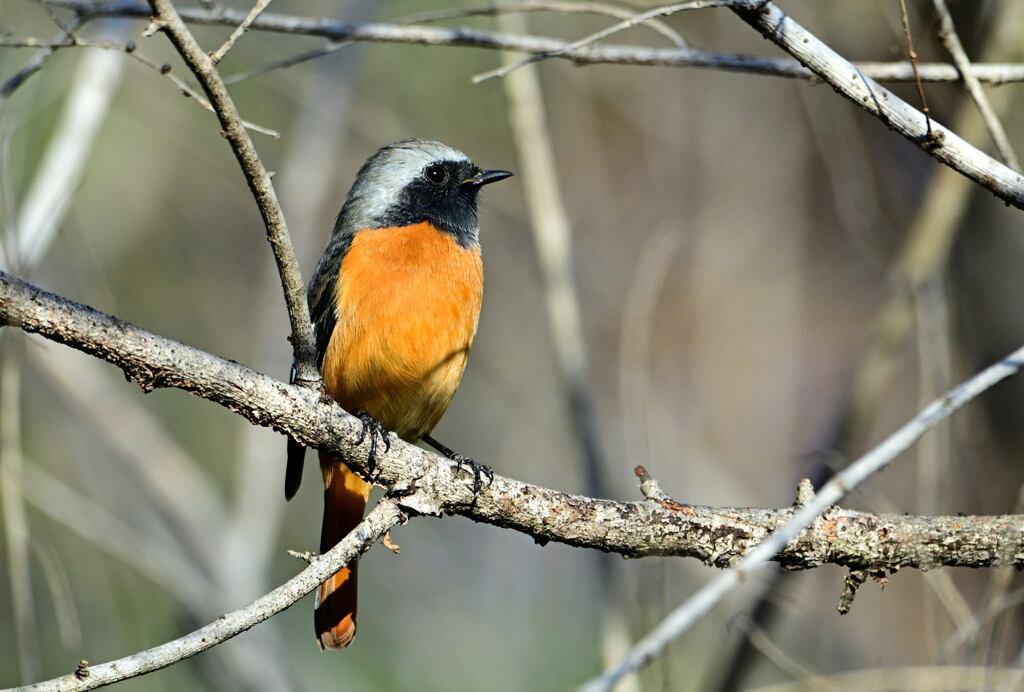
(395, 301)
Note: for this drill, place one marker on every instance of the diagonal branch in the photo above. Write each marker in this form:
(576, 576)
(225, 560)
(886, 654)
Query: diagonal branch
(383, 517)
(205, 70)
(951, 40)
(938, 141)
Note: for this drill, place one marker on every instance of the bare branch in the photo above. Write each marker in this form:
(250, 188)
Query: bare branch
(255, 12)
(938, 141)
(715, 536)
(256, 175)
(588, 55)
(912, 55)
(87, 677)
(950, 39)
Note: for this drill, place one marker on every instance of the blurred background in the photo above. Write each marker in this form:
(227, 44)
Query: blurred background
(768, 282)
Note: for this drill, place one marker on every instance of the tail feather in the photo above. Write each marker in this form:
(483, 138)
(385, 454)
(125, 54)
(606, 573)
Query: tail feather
(345, 496)
(293, 473)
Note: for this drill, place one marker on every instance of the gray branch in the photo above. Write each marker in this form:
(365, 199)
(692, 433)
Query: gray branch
(205, 70)
(376, 32)
(940, 142)
(715, 536)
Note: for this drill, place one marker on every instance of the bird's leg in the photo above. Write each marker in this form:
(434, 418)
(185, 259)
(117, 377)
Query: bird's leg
(373, 428)
(462, 461)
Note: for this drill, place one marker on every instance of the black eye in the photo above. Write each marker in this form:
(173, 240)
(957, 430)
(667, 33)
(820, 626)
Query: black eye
(436, 173)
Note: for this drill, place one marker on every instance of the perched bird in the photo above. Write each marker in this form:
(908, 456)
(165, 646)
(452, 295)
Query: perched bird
(394, 302)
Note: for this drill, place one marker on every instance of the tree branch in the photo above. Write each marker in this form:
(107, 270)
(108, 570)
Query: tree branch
(938, 141)
(205, 70)
(714, 536)
(951, 40)
(87, 677)
(376, 32)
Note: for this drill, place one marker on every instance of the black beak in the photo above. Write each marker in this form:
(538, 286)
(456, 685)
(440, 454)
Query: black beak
(486, 178)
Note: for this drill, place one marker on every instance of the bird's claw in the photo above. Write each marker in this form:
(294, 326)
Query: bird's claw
(478, 471)
(373, 428)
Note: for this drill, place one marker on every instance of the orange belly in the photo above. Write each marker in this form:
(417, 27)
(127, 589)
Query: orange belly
(408, 301)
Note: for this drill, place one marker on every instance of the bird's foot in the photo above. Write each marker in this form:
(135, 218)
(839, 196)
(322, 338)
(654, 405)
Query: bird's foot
(374, 428)
(478, 470)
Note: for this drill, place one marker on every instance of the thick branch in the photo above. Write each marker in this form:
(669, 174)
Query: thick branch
(536, 45)
(938, 141)
(715, 536)
(205, 70)
(377, 523)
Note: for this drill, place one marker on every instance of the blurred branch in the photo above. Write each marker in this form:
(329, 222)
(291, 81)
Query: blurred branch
(383, 517)
(552, 234)
(556, 6)
(60, 172)
(903, 678)
(128, 49)
(938, 141)
(12, 83)
(562, 7)
(12, 499)
(627, 23)
(950, 39)
(588, 55)
(203, 67)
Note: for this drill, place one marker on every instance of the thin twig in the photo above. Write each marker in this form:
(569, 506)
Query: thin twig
(692, 610)
(203, 67)
(912, 54)
(589, 55)
(383, 517)
(255, 12)
(604, 33)
(557, 6)
(460, 12)
(12, 83)
(951, 40)
(131, 51)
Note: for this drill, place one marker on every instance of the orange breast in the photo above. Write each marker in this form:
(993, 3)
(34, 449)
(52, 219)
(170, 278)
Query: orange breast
(408, 301)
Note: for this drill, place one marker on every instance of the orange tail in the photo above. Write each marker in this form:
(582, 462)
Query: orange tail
(345, 496)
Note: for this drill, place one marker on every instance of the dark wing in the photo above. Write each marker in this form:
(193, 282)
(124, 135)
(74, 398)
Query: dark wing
(321, 295)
